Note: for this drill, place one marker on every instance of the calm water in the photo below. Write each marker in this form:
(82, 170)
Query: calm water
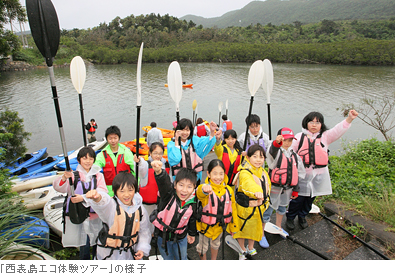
(109, 96)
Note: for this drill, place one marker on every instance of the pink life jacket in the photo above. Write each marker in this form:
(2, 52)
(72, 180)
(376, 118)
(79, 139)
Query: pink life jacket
(218, 210)
(286, 172)
(312, 152)
(189, 159)
(173, 214)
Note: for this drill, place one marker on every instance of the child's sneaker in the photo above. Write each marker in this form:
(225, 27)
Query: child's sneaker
(263, 242)
(251, 252)
(242, 256)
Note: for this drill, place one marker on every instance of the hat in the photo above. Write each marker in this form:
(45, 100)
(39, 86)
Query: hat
(287, 133)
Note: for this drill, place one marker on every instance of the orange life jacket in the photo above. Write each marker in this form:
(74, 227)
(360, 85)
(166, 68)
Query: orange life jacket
(123, 234)
(201, 131)
(229, 124)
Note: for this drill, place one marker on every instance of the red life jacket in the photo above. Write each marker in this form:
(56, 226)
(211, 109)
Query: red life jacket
(312, 152)
(286, 172)
(92, 129)
(189, 159)
(201, 131)
(173, 218)
(150, 191)
(230, 168)
(229, 124)
(217, 210)
(109, 170)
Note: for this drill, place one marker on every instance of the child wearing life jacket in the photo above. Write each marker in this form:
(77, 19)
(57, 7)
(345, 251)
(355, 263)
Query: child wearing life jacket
(82, 233)
(312, 146)
(188, 150)
(229, 152)
(125, 233)
(115, 157)
(255, 135)
(201, 129)
(148, 187)
(175, 219)
(218, 209)
(285, 169)
(252, 199)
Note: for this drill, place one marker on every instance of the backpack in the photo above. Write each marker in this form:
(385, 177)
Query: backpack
(88, 126)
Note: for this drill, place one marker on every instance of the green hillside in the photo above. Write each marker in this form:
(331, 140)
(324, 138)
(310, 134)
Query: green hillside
(280, 12)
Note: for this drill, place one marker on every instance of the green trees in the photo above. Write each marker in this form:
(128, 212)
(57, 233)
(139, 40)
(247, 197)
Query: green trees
(9, 10)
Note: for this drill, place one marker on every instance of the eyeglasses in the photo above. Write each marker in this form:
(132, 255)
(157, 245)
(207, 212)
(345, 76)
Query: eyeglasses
(314, 123)
(157, 154)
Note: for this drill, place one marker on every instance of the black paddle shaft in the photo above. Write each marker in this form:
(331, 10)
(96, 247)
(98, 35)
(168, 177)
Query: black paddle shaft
(247, 120)
(355, 237)
(137, 141)
(269, 121)
(82, 118)
(308, 248)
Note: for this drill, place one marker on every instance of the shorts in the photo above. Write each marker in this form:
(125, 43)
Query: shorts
(204, 242)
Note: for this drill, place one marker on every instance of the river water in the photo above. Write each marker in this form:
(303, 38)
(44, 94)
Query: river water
(109, 96)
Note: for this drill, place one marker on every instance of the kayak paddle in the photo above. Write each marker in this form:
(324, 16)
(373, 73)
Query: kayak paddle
(174, 80)
(138, 106)
(316, 209)
(220, 110)
(78, 75)
(194, 105)
(267, 84)
(44, 26)
(234, 244)
(226, 106)
(255, 77)
(273, 229)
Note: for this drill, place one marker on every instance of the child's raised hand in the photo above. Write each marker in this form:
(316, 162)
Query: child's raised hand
(94, 195)
(213, 127)
(66, 175)
(218, 134)
(258, 195)
(279, 139)
(244, 153)
(207, 189)
(352, 114)
(157, 167)
(136, 160)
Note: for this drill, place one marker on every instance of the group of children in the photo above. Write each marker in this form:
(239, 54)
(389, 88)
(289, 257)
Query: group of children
(169, 210)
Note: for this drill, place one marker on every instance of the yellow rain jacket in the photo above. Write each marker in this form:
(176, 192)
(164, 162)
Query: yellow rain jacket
(253, 226)
(214, 231)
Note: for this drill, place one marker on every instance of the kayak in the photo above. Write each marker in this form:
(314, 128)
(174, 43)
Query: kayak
(24, 252)
(41, 166)
(167, 133)
(27, 160)
(143, 147)
(38, 197)
(19, 185)
(53, 211)
(184, 86)
(96, 145)
(31, 230)
(36, 175)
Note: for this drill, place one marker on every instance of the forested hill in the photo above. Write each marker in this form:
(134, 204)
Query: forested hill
(280, 12)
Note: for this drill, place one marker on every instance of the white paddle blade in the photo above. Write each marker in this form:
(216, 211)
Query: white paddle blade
(255, 76)
(233, 244)
(273, 229)
(220, 105)
(174, 81)
(315, 209)
(138, 78)
(267, 82)
(78, 73)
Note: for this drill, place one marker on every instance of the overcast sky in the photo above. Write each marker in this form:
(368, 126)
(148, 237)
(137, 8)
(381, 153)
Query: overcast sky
(83, 14)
